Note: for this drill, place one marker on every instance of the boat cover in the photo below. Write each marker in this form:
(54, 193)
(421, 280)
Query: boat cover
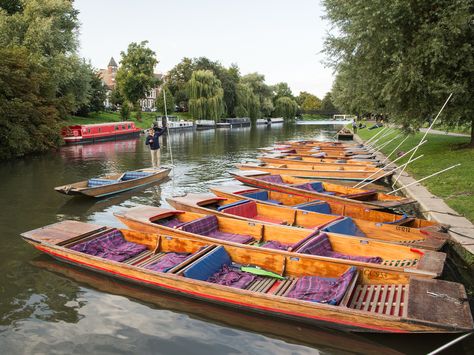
(209, 226)
(111, 245)
(322, 290)
(314, 206)
(344, 226)
(208, 265)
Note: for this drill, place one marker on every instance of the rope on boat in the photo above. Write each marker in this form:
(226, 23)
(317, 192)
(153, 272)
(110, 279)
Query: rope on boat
(447, 345)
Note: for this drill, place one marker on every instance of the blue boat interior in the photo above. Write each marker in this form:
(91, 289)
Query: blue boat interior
(314, 206)
(127, 176)
(262, 196)
(344, 226)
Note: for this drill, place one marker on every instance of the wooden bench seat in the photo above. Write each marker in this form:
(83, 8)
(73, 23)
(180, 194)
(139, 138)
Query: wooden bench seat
(381, 299)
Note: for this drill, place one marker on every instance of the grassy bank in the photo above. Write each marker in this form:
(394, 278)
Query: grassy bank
(102, 117)
(456, 186)
(314, 117)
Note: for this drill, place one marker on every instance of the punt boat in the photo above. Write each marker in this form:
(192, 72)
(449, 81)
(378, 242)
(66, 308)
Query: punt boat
(258, 234)
(335, 295)
(303, 217)
(321, 153)
(324, 191)
(114, 183)
(423, 233)
(318, 158)
(320, 172)
(281, 159)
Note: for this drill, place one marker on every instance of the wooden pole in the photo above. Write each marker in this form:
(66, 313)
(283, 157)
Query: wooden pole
(426, 177)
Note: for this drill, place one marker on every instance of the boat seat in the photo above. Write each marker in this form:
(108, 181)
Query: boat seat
(168, 219)
(319, 155)
(236, 203)
(208, 265)
(284, 286)
(151, 259)
(139, 258)
(261, 284)
(209, 226)
(261, 196)
(167, 261)
(132, 175)
(381, 299)
(320, 245)
(249, 209)
(100, 182)
(314, 206)
(323, 289)
(110, 245)
(344, 226)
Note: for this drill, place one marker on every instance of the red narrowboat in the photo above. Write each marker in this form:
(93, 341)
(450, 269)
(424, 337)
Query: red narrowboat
(91, 133)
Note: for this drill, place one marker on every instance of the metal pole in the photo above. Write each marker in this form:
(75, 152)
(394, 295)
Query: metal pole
(424, 136)
(393, 151)
(371, 145)
(447, 345)
(391, 171)
(400, 157)
(426, 177)
(169, 137)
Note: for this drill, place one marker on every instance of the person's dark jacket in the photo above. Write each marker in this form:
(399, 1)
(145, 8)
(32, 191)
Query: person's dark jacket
(154, 141)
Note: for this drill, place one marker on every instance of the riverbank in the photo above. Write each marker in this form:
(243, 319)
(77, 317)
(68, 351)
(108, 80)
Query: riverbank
(447, 198)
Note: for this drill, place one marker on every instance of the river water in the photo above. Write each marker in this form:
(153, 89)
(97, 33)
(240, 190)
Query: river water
(47, 307)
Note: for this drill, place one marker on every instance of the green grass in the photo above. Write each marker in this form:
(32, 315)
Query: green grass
(456, 186)
(102, 117)
(316, 117)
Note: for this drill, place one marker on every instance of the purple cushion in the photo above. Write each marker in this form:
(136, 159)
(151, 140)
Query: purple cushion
(275, 179)
(323, 290)
(170, 222)
(168, 261)
(274, 244)
(306, 186)
(232, 277)
(230, 237)
(110, 245)
(364, 259)
(304, 240)
(203, 226)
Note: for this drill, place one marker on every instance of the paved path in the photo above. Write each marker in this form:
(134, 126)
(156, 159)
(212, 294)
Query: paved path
(435, 131)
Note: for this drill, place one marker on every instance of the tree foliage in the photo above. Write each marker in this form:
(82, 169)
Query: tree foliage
(135, 77)
(327, 104)
(96, 94)
(286, 107)
(403, 58)
(263, 91)
(247, 102)
(160, 101)
(308, 102)
(205, 95)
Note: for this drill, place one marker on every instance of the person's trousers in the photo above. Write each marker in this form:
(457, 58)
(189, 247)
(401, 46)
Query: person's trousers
(155, 157)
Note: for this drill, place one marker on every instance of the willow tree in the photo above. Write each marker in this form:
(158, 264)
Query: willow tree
(205, 95)
(247, 103)
(285, 107)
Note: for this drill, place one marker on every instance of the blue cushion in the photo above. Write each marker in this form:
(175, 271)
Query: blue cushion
(315, 206)
(236, 203)
(317, 186)
(260, 195)
(132, 175)
(208, 265)
(344, 226)
(99, 182)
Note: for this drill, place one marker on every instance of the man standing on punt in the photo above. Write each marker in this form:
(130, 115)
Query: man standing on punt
(153, 140)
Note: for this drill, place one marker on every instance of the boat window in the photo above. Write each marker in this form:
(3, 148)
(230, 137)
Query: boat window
(129, 126)
(88, 130)
(116, 128)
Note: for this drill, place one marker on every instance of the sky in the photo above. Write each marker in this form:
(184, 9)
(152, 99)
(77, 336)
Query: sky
(280, 39)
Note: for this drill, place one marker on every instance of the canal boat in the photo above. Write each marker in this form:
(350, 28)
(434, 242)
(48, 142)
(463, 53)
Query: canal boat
(425, 234)
(258, 233)
(233, 122)
(263, 121)
(365, 173)
(322, 190)
(303, 217)
(114, 183)
(99, 132)
(351, 298)
(205, 124)
(174, 123)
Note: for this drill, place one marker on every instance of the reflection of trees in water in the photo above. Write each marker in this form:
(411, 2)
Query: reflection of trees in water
(47, 297)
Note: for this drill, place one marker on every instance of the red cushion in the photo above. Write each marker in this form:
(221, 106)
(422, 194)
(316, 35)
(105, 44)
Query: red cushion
(248, 210)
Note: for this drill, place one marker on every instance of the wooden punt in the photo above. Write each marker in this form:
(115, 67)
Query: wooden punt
(319, 172)
(424, 234)
(114, 183)
(360, 299)
(317, 337)
(327, 153)
(280, 214)
(292, 160)
(307, 158)
(324, 191)
(351, 250)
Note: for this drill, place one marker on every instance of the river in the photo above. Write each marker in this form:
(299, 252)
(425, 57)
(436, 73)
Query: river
(47, 307)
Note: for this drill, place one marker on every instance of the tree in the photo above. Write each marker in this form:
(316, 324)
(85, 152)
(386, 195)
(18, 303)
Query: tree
(96, 94)
(326, 104)
(135, 77)
(160, 102)
(247, 103)
(282, 90)
(308, 102)
(263, 91)
(286, 107)
(403, 58)
(205, 95)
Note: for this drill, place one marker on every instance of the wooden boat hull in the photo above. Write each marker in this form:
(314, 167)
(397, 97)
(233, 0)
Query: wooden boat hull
(417, 232)
(316, 162)
(360, 197)
(319, 174)
(80, 188)
(413, 293)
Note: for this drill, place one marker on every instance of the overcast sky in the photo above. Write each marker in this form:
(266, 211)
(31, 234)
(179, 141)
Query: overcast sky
(281, 39)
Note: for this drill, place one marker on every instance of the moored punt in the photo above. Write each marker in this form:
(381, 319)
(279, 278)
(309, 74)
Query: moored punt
(268, 232)
(114, 183)
(350, 298)
(238, 206)
(324, 191)
(422, 233)
(289, 160)
(303, 158)
(320, 172)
